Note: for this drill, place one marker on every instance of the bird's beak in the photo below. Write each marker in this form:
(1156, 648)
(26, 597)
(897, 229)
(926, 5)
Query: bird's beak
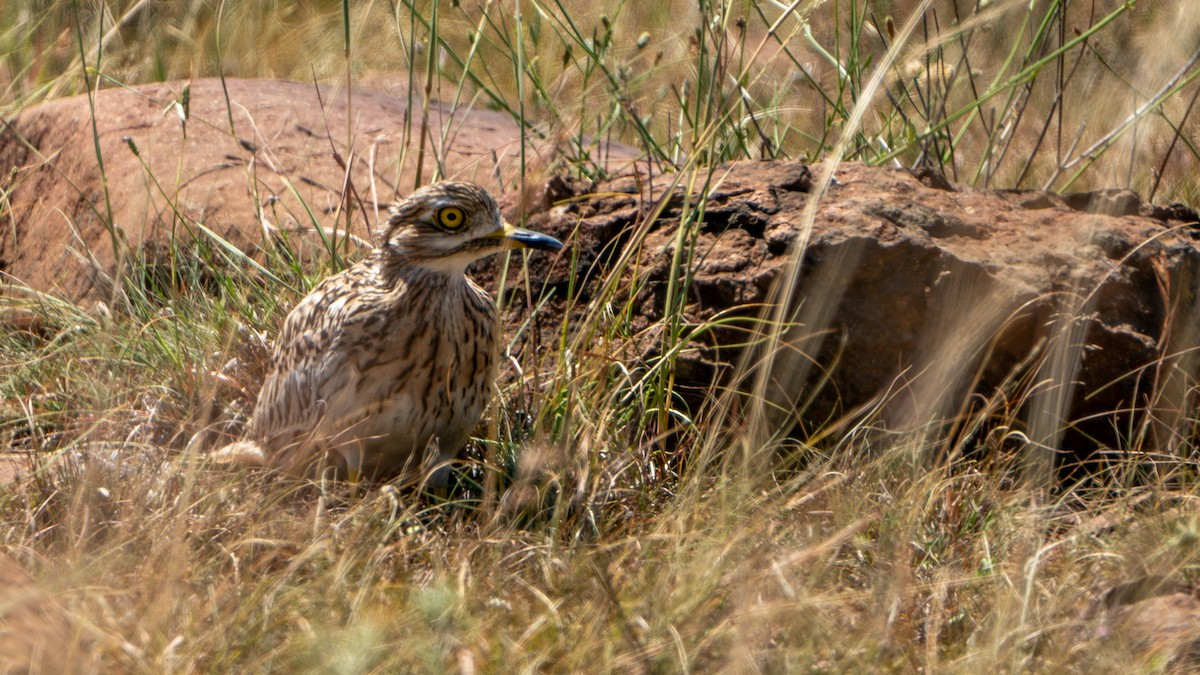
(515, 237)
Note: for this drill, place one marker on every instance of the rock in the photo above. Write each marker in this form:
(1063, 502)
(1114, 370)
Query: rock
(1164, 626)
(1075, 315)
(281, 149)
(1151, 618)
(911, 297)
(35, 634)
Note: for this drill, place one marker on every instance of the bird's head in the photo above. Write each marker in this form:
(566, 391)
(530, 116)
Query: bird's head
(447, 226)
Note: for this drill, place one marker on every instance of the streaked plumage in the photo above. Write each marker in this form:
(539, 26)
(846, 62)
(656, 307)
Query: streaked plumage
(385, 368)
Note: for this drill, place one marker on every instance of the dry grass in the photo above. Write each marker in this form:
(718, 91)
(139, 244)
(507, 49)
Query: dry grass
(579, 541)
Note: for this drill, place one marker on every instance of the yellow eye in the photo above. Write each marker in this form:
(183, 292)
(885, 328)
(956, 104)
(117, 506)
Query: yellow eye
(451, 217)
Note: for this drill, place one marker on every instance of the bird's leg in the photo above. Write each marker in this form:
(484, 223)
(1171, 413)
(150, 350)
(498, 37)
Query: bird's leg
(439, 482)
(437, 471)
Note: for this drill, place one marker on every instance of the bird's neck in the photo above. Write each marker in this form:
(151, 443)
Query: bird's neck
(450, 286)
(440, 272)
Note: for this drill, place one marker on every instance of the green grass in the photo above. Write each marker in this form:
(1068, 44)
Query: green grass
(601, 524)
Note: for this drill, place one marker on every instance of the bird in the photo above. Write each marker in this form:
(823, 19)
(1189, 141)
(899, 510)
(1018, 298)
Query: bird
(384, 369)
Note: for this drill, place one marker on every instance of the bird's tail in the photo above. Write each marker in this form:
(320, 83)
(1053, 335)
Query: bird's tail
(241, 454)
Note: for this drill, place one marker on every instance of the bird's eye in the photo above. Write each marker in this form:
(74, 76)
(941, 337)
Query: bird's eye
(451, 217)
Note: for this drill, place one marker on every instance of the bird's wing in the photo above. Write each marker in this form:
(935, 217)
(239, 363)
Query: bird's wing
(309, 361)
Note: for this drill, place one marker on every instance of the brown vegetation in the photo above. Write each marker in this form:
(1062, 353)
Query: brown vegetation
(776, 408)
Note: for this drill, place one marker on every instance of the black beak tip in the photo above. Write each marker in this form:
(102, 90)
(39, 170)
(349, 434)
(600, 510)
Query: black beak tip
(536, 240)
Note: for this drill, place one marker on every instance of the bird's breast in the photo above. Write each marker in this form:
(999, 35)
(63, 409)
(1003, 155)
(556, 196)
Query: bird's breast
(419, 374)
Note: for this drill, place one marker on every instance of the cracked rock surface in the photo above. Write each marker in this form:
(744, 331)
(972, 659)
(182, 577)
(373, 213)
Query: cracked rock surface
(913, 293)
